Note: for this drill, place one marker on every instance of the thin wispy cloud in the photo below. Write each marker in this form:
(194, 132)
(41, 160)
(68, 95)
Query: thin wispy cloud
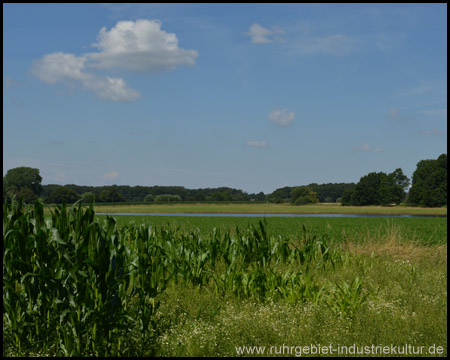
(111, 175)
(56, 142)
(261, 35)
(435, 112)
(395, 114)
(334, 44)
(302, 43)
(367, 148)
(257, 144)
(432, 132)
(139, 46)
(10, 82)
(281, 117)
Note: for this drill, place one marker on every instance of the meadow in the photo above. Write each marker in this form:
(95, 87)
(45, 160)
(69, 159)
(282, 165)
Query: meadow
(77, 283)
(266, 208)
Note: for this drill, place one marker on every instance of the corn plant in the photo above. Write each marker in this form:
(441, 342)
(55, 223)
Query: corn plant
(69, 281)
(346, 298)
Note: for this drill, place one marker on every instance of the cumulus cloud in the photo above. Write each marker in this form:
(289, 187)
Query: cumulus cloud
(260, 34)
(111, 175)
(139, 46)
(112, 88)
(281, 117)
(257, 144)
(71, 70)
(367, 147)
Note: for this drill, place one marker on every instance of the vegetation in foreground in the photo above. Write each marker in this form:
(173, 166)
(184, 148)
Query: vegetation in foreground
(78, 285)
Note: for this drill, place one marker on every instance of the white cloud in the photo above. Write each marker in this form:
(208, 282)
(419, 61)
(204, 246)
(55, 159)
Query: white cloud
(336, 44)
(257, 144)
(433, 132)
(260, 34)
(112, 88)
(281, 117)
(70, 69)
(435, 112)
(139, 46)
(367, 147)
(111, 175)
(393, 114)
(59, 66)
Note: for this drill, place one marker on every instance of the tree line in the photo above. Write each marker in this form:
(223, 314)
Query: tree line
(428, 188)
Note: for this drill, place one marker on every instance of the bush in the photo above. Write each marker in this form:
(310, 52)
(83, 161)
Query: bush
(149, 198)
(168, 198)
(303, 200)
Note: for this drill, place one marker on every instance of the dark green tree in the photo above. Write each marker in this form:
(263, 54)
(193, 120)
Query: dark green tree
(429, 183)
(87, 197)
(378, 188)
(168, 198)
(63, 194)
(17, 180)
(301, 195)
(347, 197)
(280, 195)
(110, 195)
(394, 188)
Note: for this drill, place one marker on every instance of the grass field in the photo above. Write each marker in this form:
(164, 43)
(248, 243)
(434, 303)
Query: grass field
(268, 209)
(253, 286)
(424, 231)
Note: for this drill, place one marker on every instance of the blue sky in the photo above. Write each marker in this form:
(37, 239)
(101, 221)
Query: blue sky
(250, 96)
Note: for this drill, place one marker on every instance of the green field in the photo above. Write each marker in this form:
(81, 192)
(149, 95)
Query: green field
(77, 283)
(423, 231)
(267, 209)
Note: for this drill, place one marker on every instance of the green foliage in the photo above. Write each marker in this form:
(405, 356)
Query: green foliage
(23, 181)
(149, 198)
(166, 198)
(77, 285)
(110, 195)
(302, 195)
(87, 197)
(69, 280)
(378, 188)
(317, 193)
(429, 183)
(63, 194)
(280, 195)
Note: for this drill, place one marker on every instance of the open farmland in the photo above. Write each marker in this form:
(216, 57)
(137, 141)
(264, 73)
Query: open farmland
(260, 208)
(76, 283)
